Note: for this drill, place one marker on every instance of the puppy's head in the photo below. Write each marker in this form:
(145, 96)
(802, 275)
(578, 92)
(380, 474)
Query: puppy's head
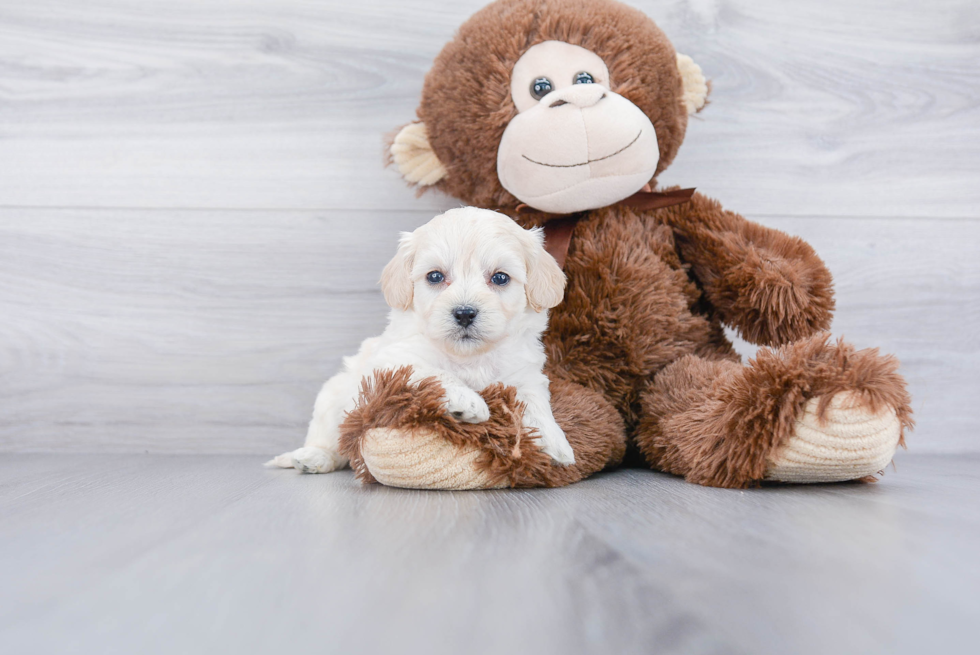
(471, 276)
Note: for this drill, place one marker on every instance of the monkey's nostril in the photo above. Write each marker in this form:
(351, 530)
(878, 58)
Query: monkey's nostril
(558, 103)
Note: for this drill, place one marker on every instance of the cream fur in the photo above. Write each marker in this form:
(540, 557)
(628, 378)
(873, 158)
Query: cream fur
(695, 84)
(414, 157)
(503, 344)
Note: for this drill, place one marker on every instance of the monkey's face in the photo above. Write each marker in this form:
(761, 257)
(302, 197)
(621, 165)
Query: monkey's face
(562, 105)
(574, 144)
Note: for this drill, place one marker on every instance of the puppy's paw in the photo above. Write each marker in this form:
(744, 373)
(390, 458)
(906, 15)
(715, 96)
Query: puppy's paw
(315, 460)
(553, 442)
(466, 405)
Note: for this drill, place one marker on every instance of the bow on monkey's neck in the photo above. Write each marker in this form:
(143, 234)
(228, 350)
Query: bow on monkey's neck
(558, 230)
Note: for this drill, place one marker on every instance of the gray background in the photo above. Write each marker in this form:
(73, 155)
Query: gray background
(194, 210)
(193, 218)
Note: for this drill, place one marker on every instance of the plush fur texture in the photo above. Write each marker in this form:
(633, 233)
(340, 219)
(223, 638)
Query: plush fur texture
(640, 331)
(719, 423)
(506, 453)
(466, 100)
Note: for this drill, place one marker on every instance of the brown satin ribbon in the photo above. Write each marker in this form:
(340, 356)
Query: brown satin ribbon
(558, 231)
(558, 236)
(658, 199)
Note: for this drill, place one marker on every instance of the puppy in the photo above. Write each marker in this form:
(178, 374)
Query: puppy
(469, 293)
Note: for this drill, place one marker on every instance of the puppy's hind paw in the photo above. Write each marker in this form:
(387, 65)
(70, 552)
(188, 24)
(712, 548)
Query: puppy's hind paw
(466, 405)
(317, 460)
(308, 460)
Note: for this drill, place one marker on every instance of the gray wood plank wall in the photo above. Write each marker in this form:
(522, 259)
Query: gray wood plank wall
(194, 211)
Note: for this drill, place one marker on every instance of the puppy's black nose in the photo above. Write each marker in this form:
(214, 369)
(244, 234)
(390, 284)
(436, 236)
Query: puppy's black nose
(464, 315)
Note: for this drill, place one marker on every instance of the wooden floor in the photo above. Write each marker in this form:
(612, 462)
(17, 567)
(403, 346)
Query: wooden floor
(213, 554)
(194, 214)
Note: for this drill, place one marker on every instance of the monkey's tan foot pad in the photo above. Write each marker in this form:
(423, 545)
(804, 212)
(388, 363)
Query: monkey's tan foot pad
(849, 441)
(421, 459)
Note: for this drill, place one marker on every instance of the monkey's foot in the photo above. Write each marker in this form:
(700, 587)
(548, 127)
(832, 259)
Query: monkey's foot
(809, 411)
(400, 434)
(422, 459)
(847, 441)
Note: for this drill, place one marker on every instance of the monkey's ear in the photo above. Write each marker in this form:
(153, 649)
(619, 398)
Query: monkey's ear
(414, 157)
(695, 85)
(396, 278)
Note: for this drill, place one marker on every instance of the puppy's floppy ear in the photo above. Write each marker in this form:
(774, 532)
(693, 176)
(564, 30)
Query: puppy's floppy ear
(696, 87)
(396, 278)
(545, 286)
(413, 155)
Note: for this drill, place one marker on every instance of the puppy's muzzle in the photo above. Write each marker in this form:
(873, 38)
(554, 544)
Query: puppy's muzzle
(464, 315)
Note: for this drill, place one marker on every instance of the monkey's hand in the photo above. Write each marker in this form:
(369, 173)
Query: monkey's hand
(771, 287)
(771, 297)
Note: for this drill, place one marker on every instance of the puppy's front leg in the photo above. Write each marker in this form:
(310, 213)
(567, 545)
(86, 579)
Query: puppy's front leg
(462, 403)
(537, 414)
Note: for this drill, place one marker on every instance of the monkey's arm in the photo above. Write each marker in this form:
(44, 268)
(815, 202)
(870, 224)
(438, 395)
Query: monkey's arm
(771, 287)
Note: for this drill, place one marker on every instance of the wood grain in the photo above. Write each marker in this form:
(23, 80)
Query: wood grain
(843, 108)
(211, 331)
(174, 328)
(204, 554)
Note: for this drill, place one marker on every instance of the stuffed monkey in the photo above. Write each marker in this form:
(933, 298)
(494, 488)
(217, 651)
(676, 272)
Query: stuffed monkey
(562, 113)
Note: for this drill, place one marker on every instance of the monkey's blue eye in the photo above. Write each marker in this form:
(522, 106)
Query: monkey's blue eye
(435, 277)
(541, 87)
(500, 279)
(584, 78)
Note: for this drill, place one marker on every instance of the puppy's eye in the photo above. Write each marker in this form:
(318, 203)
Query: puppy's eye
(435, 277)
(500, 279)
(541, 87)
(584, 78)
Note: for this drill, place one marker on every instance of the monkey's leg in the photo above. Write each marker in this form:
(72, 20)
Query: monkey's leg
(810, 411)
(400, 435)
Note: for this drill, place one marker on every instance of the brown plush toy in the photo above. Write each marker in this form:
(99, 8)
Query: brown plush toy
(561, 113)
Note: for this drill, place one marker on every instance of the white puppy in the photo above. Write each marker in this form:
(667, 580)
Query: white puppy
(469, 293)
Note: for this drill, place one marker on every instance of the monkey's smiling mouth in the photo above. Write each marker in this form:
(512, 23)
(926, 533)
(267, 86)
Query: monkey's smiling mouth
(590, 161)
